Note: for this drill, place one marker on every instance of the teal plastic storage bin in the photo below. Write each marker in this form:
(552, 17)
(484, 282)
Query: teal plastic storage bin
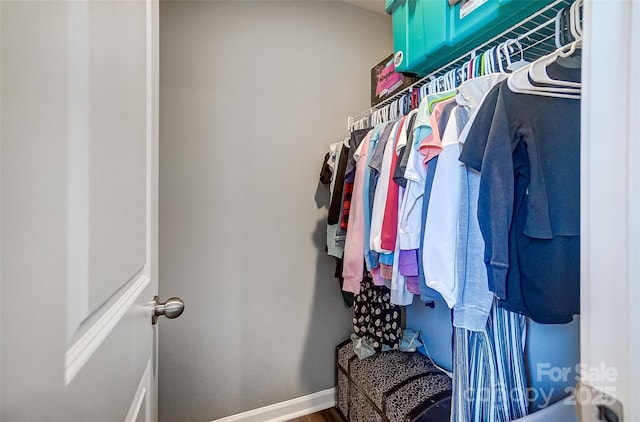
(429, 33)
(419, 27)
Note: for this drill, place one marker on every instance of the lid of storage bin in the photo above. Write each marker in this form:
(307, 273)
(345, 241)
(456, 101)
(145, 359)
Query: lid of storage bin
(391, 5)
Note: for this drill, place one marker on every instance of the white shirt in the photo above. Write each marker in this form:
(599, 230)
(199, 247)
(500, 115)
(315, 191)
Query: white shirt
(380, 197)
(440, 232)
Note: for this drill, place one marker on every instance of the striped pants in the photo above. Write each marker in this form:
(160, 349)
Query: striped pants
(489, 382)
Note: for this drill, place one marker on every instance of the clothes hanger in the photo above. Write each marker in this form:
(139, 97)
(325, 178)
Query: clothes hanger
(567, 36)
(576, 15)
(432, 86)
(493, 60)
(377, 117)
(538, 69)
(441, 86)
(500, 57)
(512, 85)
(510, 50)
(519, 81)
(475, 71)
(460, 74)
(486, 62)
(573, 17)
(423, 91)
(470, 68)
(559, 27)
(455, 82)
(479, 61)
(413, 100)
(447, 83)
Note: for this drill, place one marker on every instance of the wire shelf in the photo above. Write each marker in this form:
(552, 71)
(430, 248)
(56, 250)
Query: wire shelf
(536, 34)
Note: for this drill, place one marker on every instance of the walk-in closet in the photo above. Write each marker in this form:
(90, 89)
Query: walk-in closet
(319, 210)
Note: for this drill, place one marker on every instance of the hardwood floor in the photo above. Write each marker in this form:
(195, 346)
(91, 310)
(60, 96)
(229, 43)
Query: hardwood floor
(329, 415)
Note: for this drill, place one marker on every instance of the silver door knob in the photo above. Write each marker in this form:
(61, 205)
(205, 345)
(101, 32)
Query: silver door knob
(172, 308)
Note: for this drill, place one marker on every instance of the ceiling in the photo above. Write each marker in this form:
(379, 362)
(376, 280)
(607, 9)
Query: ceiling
(374, 5)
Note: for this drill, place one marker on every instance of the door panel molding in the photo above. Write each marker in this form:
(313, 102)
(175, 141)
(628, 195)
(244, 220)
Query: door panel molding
(141, 397)
(95, 330)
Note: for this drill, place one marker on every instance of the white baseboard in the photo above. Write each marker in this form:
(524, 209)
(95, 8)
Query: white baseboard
(286, 410)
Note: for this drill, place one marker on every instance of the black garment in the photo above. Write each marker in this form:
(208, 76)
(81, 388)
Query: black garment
(403, 157)
(375, 318)
(356, 139)
(336, 198)
(345, 173)
(528, 150)
(325, 171)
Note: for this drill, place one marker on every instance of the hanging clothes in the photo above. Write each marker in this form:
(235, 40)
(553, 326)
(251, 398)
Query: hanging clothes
(375, 318)
(336, 153)
(489, 382)
(354, 246)
(375, 168)
(472, 198)
(334, 214)
(474, 299)
(433, 116)
(527, 149)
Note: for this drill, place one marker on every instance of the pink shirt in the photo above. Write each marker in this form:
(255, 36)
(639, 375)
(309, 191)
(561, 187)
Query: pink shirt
(432, 144)
(353, 265)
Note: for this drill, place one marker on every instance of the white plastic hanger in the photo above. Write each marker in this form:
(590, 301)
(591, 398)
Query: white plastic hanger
(488, 57)
(575, 16)
(519, 81)
(461, 74)
(449, 80)
(422, 93)
(454, 78)
(440, 83)
(378, 117)
(499, 57)
(538, 70)
(559, 27)
(509, 50)
(432, 86)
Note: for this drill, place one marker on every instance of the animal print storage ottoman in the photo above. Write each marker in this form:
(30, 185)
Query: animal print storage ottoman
(390, 386)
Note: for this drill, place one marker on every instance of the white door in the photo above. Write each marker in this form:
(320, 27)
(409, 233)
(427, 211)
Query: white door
(610, 207)
(78, 191)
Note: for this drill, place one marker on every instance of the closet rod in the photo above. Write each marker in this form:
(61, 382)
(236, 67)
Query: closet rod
(546, 14)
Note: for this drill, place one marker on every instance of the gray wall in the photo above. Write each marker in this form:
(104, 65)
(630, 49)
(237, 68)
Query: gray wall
(252, 93)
